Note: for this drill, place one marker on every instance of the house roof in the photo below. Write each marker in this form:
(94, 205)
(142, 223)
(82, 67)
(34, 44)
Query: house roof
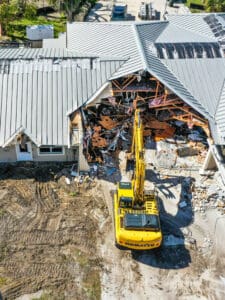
(108, 38)
(40, 87)
(36, 95)
(184, 52)
(39, 53)
(59, 43)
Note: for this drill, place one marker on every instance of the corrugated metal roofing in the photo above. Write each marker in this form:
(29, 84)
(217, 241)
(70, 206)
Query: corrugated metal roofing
(157, 28)
(220, 111)
(34, 53)
(174, 34)
(159, 70)
(36, 96)
(202, 77)
(193, 22)
(59, 43)
(109, 38)
(197, 81)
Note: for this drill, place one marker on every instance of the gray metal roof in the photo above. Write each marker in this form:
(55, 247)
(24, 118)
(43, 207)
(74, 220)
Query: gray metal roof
(36, 96)
(59, 43)
(198, 80)
(192, 22)
(157, 28)
(174, 34)
(35, 53)
(108, 38)
(168, 78)
(39, 87)
(220, 114)
(202, 77)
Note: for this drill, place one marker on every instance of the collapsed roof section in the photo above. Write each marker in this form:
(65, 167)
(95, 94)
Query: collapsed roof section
(184, 53)
(39, 88)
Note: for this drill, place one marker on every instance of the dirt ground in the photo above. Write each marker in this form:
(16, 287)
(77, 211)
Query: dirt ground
(47, 235)
(59, 242)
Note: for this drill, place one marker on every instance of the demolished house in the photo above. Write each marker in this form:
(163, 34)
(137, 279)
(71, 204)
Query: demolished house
(55, 102)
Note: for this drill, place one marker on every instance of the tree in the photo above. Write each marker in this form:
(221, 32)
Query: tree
(215, 5)
(7, 14)
(30, 11)
(70, 6)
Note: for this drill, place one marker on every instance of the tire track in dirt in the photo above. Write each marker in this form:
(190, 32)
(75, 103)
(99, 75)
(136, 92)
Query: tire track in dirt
(47, 236)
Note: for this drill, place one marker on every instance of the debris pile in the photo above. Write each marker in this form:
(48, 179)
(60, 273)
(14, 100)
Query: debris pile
(108, 130)
(208, 196)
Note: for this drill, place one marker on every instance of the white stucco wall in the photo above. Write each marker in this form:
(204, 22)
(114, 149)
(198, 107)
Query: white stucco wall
(8, 154)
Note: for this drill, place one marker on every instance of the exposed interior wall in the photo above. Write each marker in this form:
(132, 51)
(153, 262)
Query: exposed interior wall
(107, 92)
(209, 163)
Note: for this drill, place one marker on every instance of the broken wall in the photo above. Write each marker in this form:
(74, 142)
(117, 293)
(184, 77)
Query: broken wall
(107, 92)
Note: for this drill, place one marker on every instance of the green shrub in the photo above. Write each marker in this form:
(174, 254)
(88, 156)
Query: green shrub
(30, 11)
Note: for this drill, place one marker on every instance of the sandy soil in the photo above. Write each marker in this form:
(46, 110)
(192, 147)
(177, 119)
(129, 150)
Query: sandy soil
(47, 235)
(59, 244)
(189, 265)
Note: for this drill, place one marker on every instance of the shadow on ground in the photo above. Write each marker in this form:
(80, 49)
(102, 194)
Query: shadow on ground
(130, 17)
(41, 172)
(173, 253)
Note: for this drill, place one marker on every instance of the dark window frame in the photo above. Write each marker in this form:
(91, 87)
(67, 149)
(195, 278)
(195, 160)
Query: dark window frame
(52, 150)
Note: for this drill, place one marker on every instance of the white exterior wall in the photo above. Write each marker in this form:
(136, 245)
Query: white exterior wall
(8, 154)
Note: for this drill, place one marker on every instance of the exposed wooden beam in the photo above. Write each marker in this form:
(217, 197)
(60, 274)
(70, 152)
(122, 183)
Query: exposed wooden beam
(129, 82)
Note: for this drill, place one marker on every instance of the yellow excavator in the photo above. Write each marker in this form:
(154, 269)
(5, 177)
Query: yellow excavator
(136, 214)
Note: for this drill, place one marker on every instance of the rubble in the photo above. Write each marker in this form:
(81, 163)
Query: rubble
(108, 123)
(208, 196)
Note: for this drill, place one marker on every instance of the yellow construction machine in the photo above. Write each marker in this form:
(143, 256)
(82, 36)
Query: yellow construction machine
(136, 214)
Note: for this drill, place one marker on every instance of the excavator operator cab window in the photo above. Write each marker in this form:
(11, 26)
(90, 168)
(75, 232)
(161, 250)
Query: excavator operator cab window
(141, 221)
(125, 185)
(126, 202)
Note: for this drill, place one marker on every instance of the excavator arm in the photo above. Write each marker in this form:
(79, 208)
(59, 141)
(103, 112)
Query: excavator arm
(138, 153)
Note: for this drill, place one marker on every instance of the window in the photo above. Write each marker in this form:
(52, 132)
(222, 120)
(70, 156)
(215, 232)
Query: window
(45, 150)
(51, 150)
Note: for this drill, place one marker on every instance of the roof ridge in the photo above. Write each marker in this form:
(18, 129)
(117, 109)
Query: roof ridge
(221, 92)
(113, 23)
(140, 47)
(150, 22)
